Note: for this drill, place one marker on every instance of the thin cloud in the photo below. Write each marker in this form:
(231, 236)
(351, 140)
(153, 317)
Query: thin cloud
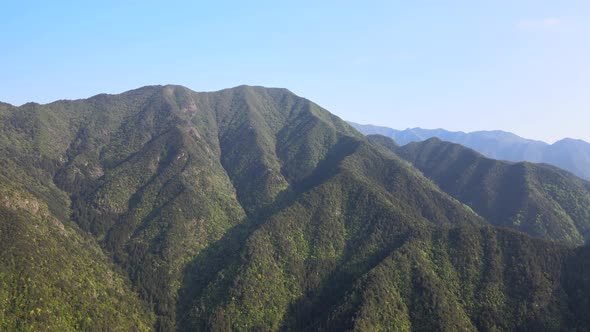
(549, 22)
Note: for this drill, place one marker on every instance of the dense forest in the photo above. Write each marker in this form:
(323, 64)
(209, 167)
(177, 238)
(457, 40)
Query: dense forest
(254, 209)
(537, 199)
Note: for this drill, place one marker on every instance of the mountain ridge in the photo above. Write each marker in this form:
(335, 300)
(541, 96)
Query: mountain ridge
(255, 209)
(538, 199)
(568, 153)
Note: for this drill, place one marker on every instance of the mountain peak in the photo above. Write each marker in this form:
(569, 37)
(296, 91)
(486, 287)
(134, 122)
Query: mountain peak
(433, 140)
(575, 141)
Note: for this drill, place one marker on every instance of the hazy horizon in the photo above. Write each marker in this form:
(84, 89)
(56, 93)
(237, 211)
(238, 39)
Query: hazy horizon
(463, 66)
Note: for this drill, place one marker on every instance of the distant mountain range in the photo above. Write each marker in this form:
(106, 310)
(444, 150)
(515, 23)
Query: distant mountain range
(570, 154)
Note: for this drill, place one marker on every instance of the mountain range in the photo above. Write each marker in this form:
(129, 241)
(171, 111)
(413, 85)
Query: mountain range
(570, 154)
(252, 208)
(537, 199)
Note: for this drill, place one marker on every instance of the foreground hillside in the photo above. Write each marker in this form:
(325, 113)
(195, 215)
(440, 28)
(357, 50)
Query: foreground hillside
(255, 209)
(54, 277)
(570, 154)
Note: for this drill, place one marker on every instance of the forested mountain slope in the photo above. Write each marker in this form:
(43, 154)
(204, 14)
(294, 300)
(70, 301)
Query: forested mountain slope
(255, 209)
(54, 277)
(538, 199)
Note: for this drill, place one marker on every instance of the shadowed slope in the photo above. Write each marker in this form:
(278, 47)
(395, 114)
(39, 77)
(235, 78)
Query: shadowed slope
(538, 199)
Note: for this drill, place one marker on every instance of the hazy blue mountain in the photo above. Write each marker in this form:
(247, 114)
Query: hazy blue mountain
(570, 154)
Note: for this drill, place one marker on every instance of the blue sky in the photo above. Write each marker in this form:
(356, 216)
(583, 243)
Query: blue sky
(519, 65)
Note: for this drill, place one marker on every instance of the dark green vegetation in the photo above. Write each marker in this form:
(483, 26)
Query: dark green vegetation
(570, 154)
(251, 209)
(538, 199)
(54, 277)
